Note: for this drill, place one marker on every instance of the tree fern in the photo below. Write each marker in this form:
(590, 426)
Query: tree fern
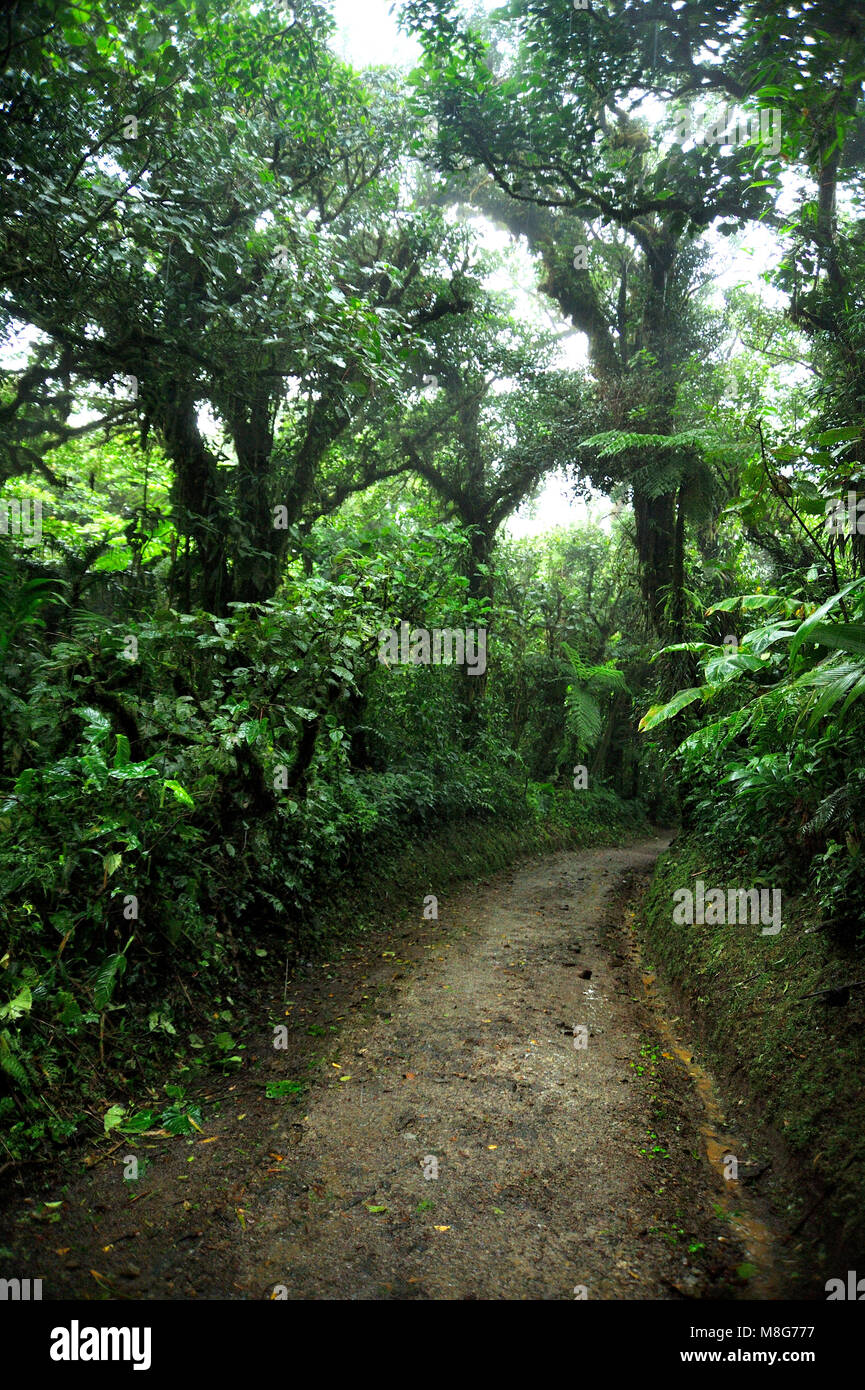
(610, 443)
(582, 717)
(583, 712)
(20, 601)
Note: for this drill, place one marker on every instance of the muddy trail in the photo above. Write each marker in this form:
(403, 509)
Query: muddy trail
(491, 1105)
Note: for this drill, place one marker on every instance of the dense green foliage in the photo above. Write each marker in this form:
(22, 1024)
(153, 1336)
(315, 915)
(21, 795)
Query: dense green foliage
(262, 379)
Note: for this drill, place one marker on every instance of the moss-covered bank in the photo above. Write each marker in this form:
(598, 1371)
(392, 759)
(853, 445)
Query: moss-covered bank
(797, 1064)
(407, 869)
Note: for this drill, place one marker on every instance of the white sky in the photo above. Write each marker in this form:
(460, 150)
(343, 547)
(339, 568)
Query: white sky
(368, 35)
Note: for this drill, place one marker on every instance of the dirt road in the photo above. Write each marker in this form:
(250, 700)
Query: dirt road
(493, 1111)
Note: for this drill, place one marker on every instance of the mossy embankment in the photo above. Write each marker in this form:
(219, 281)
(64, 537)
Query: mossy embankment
(795, 1065)
(406, 869)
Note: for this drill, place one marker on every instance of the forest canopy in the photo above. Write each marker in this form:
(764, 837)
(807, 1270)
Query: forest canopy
(290, 351)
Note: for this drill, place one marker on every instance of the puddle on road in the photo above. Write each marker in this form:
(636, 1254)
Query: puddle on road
(753, 1234)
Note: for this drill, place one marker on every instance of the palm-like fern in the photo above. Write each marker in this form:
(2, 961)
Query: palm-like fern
(610, 443)
(20, 601)
(837, 810)
(587, 685)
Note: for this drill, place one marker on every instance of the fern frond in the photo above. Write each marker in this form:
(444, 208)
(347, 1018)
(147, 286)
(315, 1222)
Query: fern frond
(582, 717)
(610, 443)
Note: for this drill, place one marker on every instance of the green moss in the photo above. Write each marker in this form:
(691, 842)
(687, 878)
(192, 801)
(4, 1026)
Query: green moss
(466, 850)
(802, 1061)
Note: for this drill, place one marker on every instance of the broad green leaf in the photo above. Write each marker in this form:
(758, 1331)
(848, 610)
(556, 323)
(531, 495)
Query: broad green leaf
(21, 1004)
(113, 1117)
(180, 793)
(658, 714)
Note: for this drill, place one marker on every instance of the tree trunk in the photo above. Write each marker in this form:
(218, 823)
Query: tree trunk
(197, 495)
